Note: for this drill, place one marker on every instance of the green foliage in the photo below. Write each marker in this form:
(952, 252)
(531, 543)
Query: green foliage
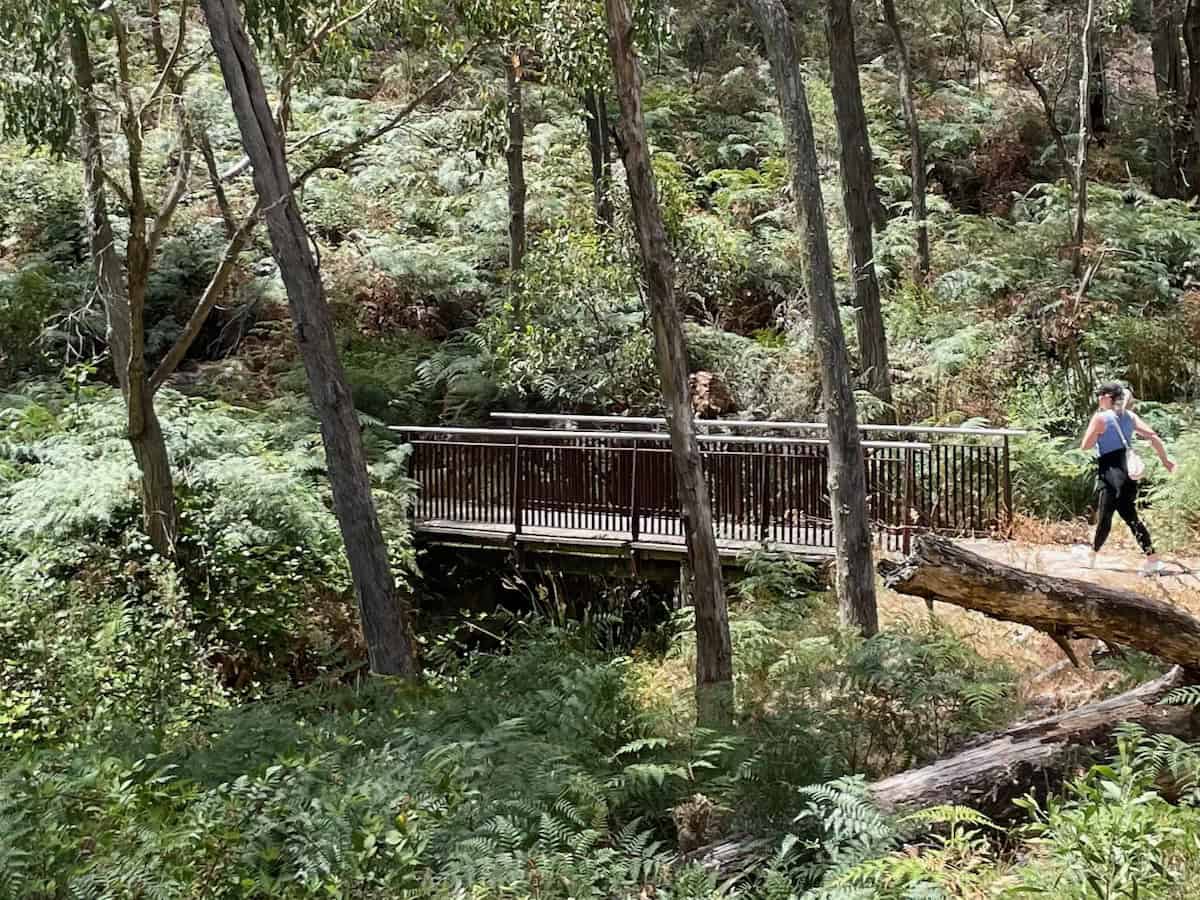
(1114, 836)
(589, 350)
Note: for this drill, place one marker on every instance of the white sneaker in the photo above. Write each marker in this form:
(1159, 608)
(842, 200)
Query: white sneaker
(1152, 567)
(1085, 555)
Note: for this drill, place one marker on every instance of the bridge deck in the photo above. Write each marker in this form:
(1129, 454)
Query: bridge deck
(657, 537)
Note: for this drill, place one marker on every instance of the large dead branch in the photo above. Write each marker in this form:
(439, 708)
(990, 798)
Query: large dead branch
(995, 769)
(1064, 607)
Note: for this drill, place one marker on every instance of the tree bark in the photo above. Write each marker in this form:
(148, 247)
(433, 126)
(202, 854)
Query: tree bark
(515, 155)
(1191, 40)
(596, 119)
(916, 147)
(855, 577)
(859, 197)
(995, 770)
(385, 613)
(1169, 90)
(123, 296)
(1081, 152)
(1098, 101)
(1063, 607)
(714, 655)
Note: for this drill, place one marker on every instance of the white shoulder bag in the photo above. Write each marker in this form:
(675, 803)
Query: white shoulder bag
(1135, 467)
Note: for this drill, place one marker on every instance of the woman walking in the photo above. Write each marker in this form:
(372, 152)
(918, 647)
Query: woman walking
(1111, 432)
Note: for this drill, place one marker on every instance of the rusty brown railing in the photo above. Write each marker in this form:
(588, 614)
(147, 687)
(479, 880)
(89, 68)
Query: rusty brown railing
(764, 489)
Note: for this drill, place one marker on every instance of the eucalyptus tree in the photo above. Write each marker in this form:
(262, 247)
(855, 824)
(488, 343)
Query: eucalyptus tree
(714, 657)
(119, 81)
(385, 611)
(1087, 37)
(855, 574)
(916, 145)
(859, 197)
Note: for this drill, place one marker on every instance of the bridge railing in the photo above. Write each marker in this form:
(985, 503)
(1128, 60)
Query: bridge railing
(762, 488)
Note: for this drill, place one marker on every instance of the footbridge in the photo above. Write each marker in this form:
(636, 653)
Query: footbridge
(603, 486)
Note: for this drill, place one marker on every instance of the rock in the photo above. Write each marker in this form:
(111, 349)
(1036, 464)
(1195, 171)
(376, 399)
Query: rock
(710, 396)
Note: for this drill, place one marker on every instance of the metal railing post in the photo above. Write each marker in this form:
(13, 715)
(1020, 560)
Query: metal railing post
(1008, 497)
(635, 525)
(516, 495)
(906, 513)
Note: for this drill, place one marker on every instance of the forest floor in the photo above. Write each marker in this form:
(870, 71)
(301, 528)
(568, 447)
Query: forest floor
(1048, 681)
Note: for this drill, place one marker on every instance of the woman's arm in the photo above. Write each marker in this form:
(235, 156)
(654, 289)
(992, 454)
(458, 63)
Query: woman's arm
(1095, 429)
(1141, 429)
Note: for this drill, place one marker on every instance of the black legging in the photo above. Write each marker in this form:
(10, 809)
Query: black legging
(1118, 493)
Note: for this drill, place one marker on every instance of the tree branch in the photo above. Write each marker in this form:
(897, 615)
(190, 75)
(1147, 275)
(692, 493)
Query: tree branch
(165, 77)
(210, 162)
(335, 158)
(178, 188)
(214, 290)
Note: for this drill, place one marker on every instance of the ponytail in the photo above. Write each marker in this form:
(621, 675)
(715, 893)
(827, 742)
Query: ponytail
(1123, 403)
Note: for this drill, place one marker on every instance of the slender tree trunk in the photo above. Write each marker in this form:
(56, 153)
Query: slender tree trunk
(917, 148)
(515, 155)
(1191, 40)
(1081, 153)
(1168, 86)
(596, 119)
(123, 296)
(847, 479)
(714, 656)
(858, 192)
(385, 613)
(1098, 101)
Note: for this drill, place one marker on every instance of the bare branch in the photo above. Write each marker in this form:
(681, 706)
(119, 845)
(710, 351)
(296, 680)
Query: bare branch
(212, 293)
(119, 190)
(335, 158)
(166, 76)
(214, 176)
(178, 188)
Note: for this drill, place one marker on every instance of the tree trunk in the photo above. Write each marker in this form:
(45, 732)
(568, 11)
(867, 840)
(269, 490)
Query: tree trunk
(515, 155)
(1191, 40)
(1081, 152)
(847, 482)
(1098, 101)
(1168, 86)
(917, 149)
(123, 299)
(1062, 607)
(596, 119)
(714, 655)
(995, 770)
(858, 197)
(385, 613)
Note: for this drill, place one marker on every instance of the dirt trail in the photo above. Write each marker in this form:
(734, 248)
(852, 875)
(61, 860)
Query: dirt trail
(1048, 682)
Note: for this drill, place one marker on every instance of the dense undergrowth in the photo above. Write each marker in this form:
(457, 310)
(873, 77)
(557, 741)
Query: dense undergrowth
(203, 729)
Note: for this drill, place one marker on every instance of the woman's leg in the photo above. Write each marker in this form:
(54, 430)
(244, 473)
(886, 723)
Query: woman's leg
(1104, 516)
(1127, 507)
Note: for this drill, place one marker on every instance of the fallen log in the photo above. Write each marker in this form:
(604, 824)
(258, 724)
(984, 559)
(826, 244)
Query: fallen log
(1064, 608)
(993, 770)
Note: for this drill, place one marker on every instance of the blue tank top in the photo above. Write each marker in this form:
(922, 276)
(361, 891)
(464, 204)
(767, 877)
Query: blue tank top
(1110, 438)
